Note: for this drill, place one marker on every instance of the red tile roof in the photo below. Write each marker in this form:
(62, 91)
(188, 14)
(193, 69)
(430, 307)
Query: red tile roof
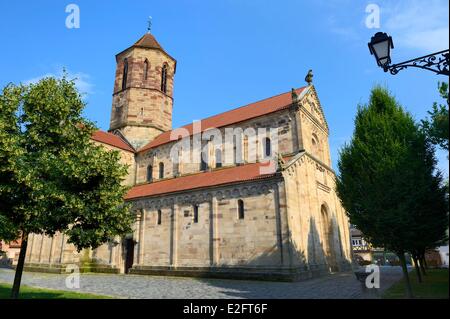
(240, 114)
(148, 41)
(223, 176)
(112, 140)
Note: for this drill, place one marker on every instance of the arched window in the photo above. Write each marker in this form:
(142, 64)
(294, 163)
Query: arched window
(159, 217)
(241, 209)
(161, 170)
(195, 213)
(176, 164)
(145, 69)
(149, 173)
(204, 160)
(125, 74)
(315, 146)
(164, 78)
(218, 156)
(267, 147)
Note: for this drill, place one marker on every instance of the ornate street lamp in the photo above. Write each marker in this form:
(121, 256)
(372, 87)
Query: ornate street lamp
(381, 44)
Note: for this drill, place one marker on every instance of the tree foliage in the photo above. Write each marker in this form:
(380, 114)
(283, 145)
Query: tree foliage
(53, 178)
(387, 180)
(437, 127)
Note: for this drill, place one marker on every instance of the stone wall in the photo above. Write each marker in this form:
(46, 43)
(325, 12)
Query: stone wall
(219, 238)
(126, 158)
(318, 224)
(142, 104)
(161, 154)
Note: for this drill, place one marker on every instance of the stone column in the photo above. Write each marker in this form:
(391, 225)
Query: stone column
(52, 249)
(63, 244)
(136, 237)
(41, 248)
(172, 235)
(211, 232)
(141, 237)
(216, 231)
(30, 249)
(279, 228)
(176, 234)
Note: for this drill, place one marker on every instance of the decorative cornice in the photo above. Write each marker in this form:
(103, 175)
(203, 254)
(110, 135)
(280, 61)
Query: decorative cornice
(192, 197)
(142, 88)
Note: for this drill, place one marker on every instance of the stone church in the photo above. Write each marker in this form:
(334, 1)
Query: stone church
(213, 217)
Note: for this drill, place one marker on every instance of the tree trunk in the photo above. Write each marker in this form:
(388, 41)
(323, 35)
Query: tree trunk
(19, 268)
(422, 265)
(417, 267)
(408, 288)
(424, 261)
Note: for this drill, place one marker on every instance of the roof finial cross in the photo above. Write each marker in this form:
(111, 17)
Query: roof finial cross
(149, 28)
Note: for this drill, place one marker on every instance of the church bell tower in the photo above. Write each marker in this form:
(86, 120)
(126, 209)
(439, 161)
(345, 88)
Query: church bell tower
(143, 92)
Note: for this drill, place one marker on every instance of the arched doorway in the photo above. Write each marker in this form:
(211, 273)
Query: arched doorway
(128, 247)
(328, 238)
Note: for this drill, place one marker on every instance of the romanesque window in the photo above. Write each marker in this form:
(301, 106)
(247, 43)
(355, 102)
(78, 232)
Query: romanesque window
(149, 173)
(218, 157)
(195, 213)
(125, 74)
(241, 209)
(164, 78)
(161, 170)
(203, 161)
(267, 147)
(159, 217)
(145, 69)
(176, 168)
(315, 146)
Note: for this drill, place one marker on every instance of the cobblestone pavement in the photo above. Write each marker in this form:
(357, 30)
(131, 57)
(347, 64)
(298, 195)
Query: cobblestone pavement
(340, 285)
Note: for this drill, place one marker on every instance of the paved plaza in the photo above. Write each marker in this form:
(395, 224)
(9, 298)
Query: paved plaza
(340, 285)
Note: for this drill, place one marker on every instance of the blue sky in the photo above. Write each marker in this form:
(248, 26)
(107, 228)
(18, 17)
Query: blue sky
(231, 52)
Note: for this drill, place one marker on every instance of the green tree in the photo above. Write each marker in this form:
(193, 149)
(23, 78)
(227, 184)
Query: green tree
(383, 172)
(431, 210)
(52, 177)
(437, 128)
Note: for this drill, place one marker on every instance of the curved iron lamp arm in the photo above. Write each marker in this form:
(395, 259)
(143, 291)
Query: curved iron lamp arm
(435, 62)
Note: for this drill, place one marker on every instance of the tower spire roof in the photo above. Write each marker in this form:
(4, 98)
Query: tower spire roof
(148, 41)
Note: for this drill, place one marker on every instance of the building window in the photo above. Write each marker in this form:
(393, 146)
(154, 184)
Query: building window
(218, 156)
(203, 161)
(267, 147)
(145, 69)
(315, 146)
(159, 217)
(149, 173)
(164, 78)
(161, 170)
(176, 160)
(125, 74)
(241, 209)
(195, 213)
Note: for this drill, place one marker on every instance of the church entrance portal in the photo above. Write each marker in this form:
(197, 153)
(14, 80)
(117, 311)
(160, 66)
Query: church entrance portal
(129, 254)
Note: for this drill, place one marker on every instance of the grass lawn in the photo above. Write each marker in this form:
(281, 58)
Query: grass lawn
(434, 285)
(38, 293)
